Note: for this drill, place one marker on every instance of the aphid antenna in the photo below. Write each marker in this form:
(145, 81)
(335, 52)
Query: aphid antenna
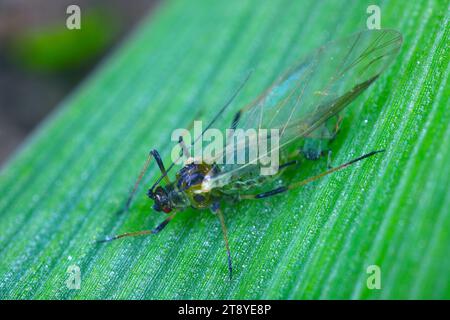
(217, 116)
(152, 154)
(136, 184)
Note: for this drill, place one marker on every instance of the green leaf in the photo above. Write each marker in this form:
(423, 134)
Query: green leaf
(60, 192)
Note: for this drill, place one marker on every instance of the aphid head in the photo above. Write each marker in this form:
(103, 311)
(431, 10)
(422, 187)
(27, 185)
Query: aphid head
(161, 198)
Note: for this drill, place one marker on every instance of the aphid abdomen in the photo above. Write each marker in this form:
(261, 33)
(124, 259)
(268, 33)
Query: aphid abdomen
(248, 181)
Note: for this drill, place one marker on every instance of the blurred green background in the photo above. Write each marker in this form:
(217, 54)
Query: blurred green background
(41, 61)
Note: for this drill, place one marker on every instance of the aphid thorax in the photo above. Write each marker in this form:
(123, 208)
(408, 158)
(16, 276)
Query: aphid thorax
(185, 191)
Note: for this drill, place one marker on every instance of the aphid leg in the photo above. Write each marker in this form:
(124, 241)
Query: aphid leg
(308, 180)
(287, 164)
(329, 166)
(236, 119)
(152, 154)
(234, 123)
(140, 233)
(264, 194)
(184, 150)
(342, 166)
(216, 210)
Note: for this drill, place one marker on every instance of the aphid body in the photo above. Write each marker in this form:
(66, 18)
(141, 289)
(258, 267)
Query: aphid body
(303, 106)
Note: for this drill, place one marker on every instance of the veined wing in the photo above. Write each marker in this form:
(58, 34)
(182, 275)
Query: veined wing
(312, 92)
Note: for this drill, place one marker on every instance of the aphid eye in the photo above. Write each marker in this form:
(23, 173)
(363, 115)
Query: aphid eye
(161, 200)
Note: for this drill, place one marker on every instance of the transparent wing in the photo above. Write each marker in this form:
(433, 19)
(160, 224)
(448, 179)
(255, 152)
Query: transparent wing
(312, 92)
